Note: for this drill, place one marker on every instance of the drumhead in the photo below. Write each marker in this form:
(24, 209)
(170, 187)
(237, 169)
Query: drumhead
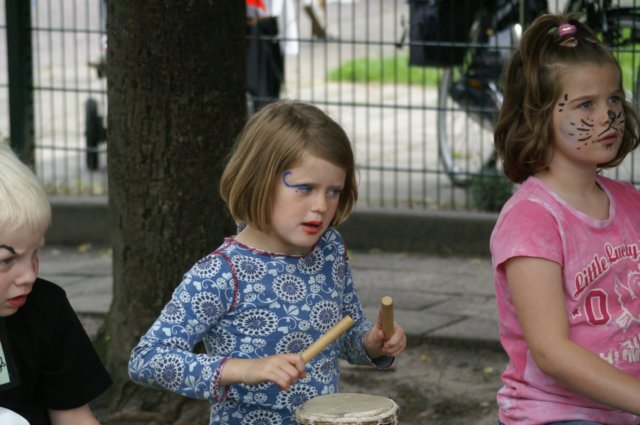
(347, 408)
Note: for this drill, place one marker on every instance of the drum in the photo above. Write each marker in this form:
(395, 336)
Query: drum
(347, 408)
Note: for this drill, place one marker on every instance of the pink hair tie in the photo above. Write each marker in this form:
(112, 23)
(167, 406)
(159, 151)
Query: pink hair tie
(566, 29)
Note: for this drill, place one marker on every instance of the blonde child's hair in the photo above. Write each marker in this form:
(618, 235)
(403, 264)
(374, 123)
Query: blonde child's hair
(273, 140)
(23, 201)
(524, 134)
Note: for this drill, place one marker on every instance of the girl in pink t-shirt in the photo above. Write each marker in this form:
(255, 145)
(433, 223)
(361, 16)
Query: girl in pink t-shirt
(566, 247)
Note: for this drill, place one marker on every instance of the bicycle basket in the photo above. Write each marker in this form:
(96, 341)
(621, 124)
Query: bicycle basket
(438, 31)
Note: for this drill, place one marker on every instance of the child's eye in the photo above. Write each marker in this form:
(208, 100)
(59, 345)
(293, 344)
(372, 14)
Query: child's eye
(615, 100)
(5, 263)
(585, 105)
(335, 193)
(304, 188)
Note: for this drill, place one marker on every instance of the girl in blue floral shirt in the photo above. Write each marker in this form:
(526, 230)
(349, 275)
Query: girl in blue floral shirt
(268, 292)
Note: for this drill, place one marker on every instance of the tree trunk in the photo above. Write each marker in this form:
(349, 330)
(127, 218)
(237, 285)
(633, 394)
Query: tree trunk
(176, 89)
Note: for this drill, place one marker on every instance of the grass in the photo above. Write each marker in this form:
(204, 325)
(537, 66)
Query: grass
(396, 69)
(629, 58)
(390, 70)
(629, 62)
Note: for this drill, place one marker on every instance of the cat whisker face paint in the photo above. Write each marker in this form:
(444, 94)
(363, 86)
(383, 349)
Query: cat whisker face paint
(616, 122)
(563, 103)
(581, 123)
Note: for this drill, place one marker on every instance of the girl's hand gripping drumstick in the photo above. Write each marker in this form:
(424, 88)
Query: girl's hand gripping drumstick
(386, 317)
(326, 339)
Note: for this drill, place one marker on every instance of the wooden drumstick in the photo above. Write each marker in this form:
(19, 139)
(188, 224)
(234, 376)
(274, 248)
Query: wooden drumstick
(326, 339)
(386, 316)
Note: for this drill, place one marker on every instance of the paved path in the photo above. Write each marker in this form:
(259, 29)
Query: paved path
(434, 297)
(446, 298)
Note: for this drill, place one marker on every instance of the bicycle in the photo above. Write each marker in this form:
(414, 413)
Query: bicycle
(469, 95)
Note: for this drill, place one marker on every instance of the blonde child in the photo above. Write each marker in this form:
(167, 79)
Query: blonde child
(268, 292)
(566, 245)
(49, 370)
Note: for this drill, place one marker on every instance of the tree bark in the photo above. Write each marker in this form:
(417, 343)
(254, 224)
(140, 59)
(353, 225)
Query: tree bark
(176, 90)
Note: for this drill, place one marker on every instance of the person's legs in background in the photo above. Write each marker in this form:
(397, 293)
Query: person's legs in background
(317, 12)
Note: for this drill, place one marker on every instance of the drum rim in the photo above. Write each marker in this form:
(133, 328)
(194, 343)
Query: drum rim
(304, 417)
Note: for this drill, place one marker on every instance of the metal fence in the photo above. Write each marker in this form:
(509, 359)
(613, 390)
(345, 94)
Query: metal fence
(351, 59)
(65, 37)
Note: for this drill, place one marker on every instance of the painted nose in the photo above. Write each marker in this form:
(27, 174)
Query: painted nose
(611, 116)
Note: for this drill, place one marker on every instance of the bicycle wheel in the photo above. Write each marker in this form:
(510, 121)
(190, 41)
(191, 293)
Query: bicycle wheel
(465, 119)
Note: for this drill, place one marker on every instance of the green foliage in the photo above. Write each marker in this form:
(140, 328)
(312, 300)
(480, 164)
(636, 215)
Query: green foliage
(390, 70)
(490, 189)
(629, 64)
(396, 69)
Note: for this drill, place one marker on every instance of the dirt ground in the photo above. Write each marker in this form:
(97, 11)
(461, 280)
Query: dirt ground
(433, 383)
(436, 384)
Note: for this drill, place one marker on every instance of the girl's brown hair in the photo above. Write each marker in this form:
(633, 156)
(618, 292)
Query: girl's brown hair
(274, 140)
(524, 134)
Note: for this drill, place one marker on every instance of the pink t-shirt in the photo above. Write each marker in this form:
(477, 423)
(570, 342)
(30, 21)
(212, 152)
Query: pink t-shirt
(601, 276)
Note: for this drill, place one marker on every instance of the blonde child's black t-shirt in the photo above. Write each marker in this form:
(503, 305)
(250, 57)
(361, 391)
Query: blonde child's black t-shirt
(47, 361)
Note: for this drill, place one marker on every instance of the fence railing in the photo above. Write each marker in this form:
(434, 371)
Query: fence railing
(351, 59)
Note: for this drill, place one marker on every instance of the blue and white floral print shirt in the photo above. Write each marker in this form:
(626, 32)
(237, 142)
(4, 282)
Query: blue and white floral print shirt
(245, 303)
